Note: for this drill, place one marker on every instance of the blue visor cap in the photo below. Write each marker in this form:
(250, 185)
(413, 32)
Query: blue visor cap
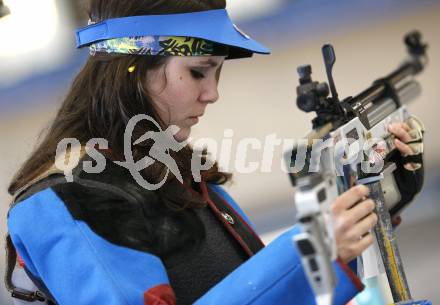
(212, 25)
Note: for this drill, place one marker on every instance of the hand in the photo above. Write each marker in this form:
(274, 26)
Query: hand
(353, 217)
(401, 132)
(408, 182)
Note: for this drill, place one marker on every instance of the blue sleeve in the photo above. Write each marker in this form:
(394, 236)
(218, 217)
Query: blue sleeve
(77, 265)
(275, 275)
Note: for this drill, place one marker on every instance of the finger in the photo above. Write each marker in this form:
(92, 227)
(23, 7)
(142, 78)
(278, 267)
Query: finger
(412, 166)
(350, 197)
(364, 243)
(362, 227)
(361, 210)
(403, 148)
(405, 126)
(399, 132)
(402, 125)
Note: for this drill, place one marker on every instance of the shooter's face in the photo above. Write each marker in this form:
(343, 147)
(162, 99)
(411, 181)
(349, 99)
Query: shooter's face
(182, 88)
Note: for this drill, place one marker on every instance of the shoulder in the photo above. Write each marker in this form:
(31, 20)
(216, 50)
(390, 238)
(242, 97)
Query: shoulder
(110, 203)
(112, 189)
(112, 182)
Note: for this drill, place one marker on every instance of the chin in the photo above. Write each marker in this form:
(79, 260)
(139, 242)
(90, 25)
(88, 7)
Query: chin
(183, 134)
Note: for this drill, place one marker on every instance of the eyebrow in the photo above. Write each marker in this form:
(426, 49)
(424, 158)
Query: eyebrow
(209, 62)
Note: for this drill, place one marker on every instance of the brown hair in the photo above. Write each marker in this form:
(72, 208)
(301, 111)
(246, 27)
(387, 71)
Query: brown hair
(104, 96)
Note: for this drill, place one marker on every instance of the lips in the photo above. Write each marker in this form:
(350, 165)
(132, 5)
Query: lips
(196, 116)
(194, 119)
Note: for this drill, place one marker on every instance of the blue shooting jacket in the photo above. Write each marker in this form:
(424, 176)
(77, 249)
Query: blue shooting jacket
(68, 252)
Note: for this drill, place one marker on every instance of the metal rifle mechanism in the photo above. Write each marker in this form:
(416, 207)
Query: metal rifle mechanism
(328, 172)
(313, 96)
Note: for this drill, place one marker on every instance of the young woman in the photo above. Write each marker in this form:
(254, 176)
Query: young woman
(105, 239)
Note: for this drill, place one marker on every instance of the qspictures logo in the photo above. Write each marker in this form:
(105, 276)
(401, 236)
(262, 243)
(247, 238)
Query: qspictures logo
(298, 154)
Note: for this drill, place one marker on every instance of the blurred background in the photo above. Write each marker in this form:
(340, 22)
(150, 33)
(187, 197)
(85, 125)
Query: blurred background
(38, 61)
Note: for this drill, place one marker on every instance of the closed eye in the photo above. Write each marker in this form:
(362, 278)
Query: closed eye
(197, 74)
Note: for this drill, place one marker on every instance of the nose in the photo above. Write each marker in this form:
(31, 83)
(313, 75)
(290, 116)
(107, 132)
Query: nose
(209, 92)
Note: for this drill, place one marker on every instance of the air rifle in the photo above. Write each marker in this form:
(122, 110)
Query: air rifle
(350, 144)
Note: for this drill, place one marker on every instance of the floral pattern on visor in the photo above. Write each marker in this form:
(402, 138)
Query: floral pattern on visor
(155, 45)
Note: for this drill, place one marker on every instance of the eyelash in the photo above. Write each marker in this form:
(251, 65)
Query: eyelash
(197, 74)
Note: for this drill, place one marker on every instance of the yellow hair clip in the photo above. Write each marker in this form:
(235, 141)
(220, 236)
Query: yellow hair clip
(131, 69)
